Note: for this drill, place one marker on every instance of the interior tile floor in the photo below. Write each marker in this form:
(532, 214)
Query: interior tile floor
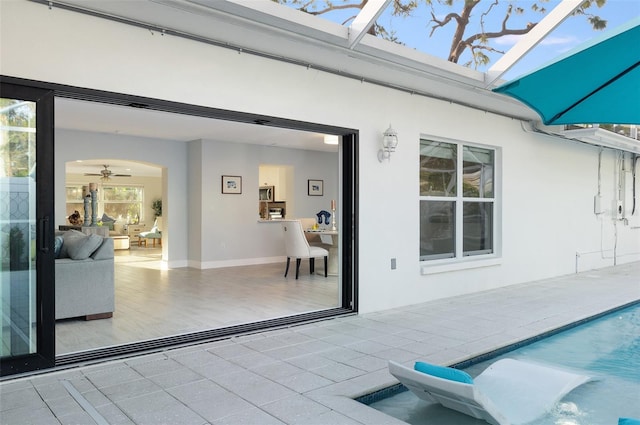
(310, 373)
(152, 302)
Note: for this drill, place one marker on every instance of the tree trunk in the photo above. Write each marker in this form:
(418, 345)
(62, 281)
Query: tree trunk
(457, 45)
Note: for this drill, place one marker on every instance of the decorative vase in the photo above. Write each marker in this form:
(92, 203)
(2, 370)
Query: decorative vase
(86, 201)
(94, 208)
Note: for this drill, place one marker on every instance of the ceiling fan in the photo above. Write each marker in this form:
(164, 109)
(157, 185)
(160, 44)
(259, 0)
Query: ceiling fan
(106, 174)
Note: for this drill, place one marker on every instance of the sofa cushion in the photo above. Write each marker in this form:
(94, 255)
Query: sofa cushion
(105, 250)
(67, 236)
(82, 248)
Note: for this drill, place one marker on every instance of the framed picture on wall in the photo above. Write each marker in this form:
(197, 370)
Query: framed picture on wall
(315, 188)
(232, 184)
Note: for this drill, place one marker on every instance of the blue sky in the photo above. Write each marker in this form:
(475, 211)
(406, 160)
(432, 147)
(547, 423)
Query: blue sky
(414, 31)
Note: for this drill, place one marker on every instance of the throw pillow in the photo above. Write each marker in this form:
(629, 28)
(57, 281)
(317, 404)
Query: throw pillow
(106, 218)
(82, 248)
(108, 221)
(67, 237)
(444, 372)
(57, 246)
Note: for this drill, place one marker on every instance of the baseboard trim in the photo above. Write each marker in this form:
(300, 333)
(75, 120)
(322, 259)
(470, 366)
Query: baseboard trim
(236, 263)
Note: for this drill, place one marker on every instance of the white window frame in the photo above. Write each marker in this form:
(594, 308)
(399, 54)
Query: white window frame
(460, 261)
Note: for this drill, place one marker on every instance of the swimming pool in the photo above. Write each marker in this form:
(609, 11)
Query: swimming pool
(607, 349)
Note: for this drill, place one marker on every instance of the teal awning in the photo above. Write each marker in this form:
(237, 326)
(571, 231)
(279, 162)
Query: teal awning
(598, 82)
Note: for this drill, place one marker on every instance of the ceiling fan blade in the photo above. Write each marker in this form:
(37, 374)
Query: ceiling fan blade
(90, 174)
(120, 175)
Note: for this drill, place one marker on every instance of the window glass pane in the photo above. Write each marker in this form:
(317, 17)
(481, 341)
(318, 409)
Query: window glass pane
(437, 168)
(123, 203)
(129, 212)
(477, 229)
(18, 273)
(122, 193)
(74, 193)
(437, 229)
(477, 177)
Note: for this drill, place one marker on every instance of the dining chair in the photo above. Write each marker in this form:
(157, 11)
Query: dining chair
(297, 246)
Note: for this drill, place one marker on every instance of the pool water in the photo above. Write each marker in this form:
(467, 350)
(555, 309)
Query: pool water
(607, 349)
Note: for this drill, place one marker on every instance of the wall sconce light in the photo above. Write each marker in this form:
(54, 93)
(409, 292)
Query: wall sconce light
(389, 143)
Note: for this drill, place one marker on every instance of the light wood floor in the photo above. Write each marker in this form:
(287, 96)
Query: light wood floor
(153, 303)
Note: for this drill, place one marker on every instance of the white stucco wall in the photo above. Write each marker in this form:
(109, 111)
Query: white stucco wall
(547, 185)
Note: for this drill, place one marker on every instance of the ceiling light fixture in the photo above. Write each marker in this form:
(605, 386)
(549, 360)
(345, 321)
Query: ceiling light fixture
(330, 139)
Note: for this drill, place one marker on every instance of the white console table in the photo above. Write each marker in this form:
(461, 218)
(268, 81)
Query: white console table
(133, 230)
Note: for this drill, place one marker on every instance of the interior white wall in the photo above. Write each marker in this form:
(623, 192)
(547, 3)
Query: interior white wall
(547, 184)
(195, 193)
(230, 225)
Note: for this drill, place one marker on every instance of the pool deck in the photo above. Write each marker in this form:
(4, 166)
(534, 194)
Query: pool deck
(309, 374)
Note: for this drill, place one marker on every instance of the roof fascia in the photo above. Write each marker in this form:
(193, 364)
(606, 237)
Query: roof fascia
(274, 15)
(554, 18)
(417, 60)
(287, 20)
(600, 137)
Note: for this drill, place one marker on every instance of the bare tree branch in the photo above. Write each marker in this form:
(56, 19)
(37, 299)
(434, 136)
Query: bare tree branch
(486, 12)
(445, 21)
(339, 7)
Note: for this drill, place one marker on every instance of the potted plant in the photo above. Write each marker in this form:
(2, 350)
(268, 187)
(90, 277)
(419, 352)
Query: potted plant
(157, 207)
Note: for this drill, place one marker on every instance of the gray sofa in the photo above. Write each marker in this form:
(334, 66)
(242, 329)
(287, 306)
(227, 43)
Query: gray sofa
(84, 285)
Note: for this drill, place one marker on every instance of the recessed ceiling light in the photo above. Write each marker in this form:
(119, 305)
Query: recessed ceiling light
(78, 160)
(331, 139)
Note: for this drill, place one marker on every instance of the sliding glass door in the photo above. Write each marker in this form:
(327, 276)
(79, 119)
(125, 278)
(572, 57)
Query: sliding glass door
(26, 229)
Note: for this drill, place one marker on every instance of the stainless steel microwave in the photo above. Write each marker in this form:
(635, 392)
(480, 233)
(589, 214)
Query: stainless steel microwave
(267, 193)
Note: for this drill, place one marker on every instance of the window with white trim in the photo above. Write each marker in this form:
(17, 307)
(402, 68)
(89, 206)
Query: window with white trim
(457, 200)
(124, 203)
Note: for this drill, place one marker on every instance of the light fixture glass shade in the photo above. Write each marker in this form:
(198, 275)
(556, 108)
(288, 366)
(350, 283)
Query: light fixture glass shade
(331, 139)
(390, 139)
(389, 144)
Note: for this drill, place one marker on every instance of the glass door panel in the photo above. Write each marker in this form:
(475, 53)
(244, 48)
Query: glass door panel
(26, 200)
(18, 227)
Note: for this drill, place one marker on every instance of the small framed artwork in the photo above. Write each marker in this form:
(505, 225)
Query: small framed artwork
(232, 184)
(315, 188)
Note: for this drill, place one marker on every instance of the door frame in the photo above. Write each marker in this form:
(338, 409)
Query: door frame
(44, 357)
(349, 220)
